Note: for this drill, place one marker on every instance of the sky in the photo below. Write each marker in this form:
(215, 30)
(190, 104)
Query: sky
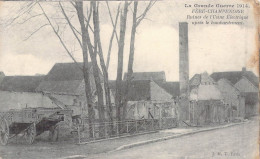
(212, 48)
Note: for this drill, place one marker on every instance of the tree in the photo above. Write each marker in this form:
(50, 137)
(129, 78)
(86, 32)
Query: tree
(136, 22)
(121, 44)
(89, 40)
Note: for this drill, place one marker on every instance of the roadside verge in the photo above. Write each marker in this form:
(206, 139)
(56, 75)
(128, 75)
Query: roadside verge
(174, 136)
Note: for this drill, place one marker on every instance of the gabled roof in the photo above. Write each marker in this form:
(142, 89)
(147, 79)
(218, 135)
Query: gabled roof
(228, 82)
(60, 87)
(195, 81)
(171, 87)
(198, 79)
(155, 76)
(64, 78)
(21, 83)
(235, 76)
(139, 90)
(66, 72)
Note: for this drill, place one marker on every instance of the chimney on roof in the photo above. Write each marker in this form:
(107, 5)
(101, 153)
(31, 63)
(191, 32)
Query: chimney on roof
(243, 69)
(183, 59)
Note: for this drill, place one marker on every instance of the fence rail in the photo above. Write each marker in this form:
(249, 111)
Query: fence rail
(106, 130)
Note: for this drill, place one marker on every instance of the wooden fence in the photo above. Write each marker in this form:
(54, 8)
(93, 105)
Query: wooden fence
(108, 130)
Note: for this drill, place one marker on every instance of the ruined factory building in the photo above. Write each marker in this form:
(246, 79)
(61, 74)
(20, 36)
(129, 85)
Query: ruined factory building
(146, 99)
(206, 101)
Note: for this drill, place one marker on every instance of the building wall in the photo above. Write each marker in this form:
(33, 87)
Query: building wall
(158, 93)
(252, 104)
(207, 112)
(251, 100)
(140, 110)
(19, 100)
(242, 107)
(251, 110)
(244, 85)
(232, 97)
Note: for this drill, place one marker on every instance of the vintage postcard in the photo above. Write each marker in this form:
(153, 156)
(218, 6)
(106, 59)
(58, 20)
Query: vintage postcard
(144, 79)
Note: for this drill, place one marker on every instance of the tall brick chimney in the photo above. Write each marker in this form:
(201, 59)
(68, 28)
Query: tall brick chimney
(183, 72)
(183, 59)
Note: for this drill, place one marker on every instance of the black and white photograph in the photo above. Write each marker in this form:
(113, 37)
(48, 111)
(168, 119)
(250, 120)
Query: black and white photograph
(129, 79)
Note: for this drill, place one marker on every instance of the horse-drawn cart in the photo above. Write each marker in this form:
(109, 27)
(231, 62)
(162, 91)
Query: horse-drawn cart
(30, 122)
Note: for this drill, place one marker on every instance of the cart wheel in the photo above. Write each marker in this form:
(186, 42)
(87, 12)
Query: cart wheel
(4, 131)
(54, 133)
(30, 133)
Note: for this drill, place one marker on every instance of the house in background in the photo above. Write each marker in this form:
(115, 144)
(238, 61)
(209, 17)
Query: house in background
(65, 84)
(17, 92)
(232, 98)
(247, 83)
(206, 101)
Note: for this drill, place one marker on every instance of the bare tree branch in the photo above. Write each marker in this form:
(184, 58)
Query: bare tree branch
(86, 19)
(111, 39)
(36, 31)
(30, 18)
(110, 15)
(57, 34)
(88, 23)
(73, 4)
(28, 8)
(142, 16)
(77, 31)
(71, 26)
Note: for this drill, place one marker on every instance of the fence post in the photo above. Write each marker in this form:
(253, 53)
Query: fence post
(117, 128)
(160, 123)
(105, 125)
(93, 131)
(79, 134)
(126, 126)
(145, 128)
(136, 126)
(152, 125)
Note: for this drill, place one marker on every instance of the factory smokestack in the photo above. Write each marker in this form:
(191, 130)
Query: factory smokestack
(183, 72)
(183, 59)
